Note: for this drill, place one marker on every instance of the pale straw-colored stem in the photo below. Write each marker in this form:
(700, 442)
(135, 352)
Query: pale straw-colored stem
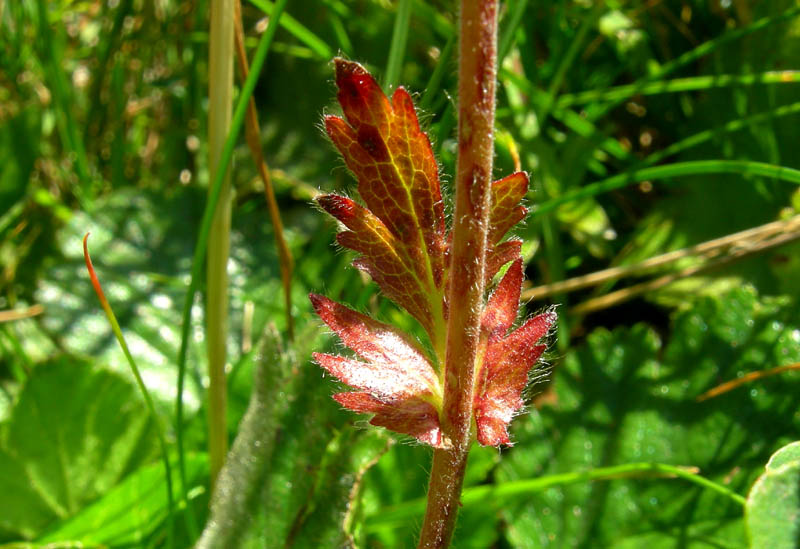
(220, 102)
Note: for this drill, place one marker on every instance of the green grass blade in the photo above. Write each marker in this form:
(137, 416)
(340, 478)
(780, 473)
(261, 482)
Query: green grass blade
(509, 32)
(426, 12)
(583, 126)
(338, 7)
(399, 515)
(341, 33)
(68, 128)
(213, 198)
(706, 135)
(435, 83)
(151, 409)
(220, 99)
(572, 52)
(707, 47)
(680, 169)
(702, 50)
(20, 364)
(587, 129)
(692, 83)
(295, 28)
(97, 114)
(397, 49)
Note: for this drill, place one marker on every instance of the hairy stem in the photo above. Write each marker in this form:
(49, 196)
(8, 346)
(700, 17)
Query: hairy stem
(477, 71)
(220, 96)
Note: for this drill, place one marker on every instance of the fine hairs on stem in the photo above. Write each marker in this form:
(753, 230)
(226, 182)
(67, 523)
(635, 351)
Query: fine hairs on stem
(477, 75)
(468, 386)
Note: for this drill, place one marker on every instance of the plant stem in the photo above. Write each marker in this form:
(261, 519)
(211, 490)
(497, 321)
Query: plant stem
(67, 126)
(669, 171)
(252, 135)
(151, 409)
(692, 83)
(215, 189)
(492, 495)
(220, 95)
(477, 74)
(397, 49)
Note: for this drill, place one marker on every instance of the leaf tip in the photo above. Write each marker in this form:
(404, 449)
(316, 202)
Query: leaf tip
(340, 207)
(318, 301)
(344, 68)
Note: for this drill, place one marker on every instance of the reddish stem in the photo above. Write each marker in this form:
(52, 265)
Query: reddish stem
(477, 74)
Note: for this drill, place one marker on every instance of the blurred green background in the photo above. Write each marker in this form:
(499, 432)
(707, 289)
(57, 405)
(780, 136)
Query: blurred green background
(678, 120)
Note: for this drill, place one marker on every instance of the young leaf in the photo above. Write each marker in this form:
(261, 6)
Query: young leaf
(383, 256)
(402, 237)
(507, 193)
(404, 246)
(397, 382)
(508, 359)
(412, 416)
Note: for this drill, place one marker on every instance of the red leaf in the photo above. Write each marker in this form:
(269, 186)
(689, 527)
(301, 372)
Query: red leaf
(401, 240)
(385, 380)
(383, 258)
(500, 255)
(502, 308)
(506, 212)
(414, 416)
(507, 360)
(398, 179)
(401, 387)
(376, 342)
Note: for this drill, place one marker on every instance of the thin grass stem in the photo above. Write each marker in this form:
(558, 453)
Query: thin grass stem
(708, 47)
(151, 409)
(316, 44)
(571, 54)
(730, 127)
(400, 514)
(435, 82)
(647, 288)
(747, 378)
(426, 11)
(746, 239)
(19, 314)
(397, 48)
(680, 169)
(342, 37)
(252, 131)
(97, 115)
(68, 129)
(509, 33)
(700, 51)
(692, 83)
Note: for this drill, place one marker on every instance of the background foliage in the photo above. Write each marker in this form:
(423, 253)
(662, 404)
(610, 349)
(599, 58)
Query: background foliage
(102, 128)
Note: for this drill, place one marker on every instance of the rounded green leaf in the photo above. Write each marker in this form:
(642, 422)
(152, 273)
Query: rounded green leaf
(74, 433)
(623, 396)
(788, 454)
(773, 508)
